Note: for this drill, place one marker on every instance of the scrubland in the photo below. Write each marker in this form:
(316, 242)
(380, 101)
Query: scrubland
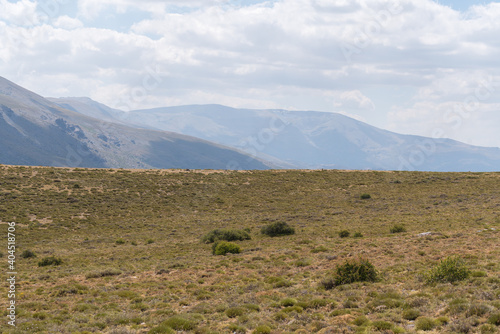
(123, 251)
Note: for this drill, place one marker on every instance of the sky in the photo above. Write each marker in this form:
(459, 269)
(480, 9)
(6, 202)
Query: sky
(423, 67)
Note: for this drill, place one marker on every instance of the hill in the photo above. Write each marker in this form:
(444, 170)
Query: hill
(133, 260)
(36, 131)
(309, 139)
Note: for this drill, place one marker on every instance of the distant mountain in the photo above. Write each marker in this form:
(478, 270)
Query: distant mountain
(309, 139)
(36, 131)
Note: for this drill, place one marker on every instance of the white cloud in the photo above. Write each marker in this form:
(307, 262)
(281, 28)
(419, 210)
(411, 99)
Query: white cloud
(68, 23)
(295, 54)
(21, 13)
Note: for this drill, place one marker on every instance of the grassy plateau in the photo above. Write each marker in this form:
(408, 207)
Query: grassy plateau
(128, 251)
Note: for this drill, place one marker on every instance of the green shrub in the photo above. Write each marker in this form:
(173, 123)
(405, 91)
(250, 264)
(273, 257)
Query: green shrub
(358, 235)
(277, 229)
(478, 274)
(360, 270)
(451, 269)
(361, 320)
(224, 247)
(411, 314)
(494, 319)
(365, 196)
(339, 312)
(120, 241)
(226, 235)
(382, 325)
(488, 329)
(288, 302)
(477, 310)
(280, 316)
(344, 234)
(318, 302)
(262, 329)
(182, 322)
(295, 308)
(303, 262)
(50, 261)
(28, 254)
(398, 229)
(425, 324)
(234, 312)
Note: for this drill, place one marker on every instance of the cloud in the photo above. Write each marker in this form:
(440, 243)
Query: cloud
(355, 100)
(20, 13)
(90, 9)
(296, 54)
(67, 23)
(461, 106)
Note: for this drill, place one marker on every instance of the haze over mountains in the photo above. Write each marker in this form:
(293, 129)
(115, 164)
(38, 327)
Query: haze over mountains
(36, 131)
(304, 139)
(81, 132)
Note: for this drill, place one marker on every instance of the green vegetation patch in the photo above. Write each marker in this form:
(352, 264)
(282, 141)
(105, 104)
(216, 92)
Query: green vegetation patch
(277, 229)
(224, 247)
(50, 261)
(226, 235)
(449, 270)
(360, 270)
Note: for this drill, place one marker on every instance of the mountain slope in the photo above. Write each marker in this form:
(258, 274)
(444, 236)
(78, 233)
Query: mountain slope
(36, 131)
(309, 139)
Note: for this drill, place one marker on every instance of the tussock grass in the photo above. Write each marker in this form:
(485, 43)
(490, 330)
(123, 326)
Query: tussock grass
(136, 286)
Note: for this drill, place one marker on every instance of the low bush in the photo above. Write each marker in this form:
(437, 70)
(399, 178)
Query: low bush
(28, 254)
(234, 312)
(344, 234)
(425, 324)
(411, 314)
(488, 329)
(494, 319)
(318, 302)
(262, 329)
(278, 229)
(360, 270)
(398, 229)
(361, 320)
(224, 247)
(358, 235)
(365, 196)
(449, 270)
(288, 302)
(478, 310)
(182, 322)
(50, 261)
(382, 325)
(226, 235)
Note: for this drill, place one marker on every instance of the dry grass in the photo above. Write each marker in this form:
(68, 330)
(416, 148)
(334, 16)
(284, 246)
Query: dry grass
(178, 275)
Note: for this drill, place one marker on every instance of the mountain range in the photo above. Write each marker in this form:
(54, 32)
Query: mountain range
(36, 131)
(304, 139)
(83, 132)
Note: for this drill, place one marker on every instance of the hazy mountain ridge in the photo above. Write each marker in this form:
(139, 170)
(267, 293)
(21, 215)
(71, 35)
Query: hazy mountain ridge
(309, 139)
(36, 131)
